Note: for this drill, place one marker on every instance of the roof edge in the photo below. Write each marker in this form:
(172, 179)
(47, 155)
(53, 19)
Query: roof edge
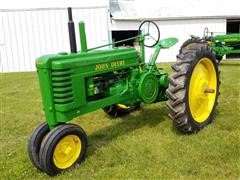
(179, 18)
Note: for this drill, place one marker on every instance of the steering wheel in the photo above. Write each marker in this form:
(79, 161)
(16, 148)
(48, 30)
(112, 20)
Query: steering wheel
(205, 32)
(151, 32)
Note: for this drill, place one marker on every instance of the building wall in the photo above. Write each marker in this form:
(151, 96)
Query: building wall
(182, 29)
(29, 33)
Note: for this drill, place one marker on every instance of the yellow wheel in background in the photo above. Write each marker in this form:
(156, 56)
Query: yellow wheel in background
(62, 148)
(118, 110)
(123, 106)
(194, 88)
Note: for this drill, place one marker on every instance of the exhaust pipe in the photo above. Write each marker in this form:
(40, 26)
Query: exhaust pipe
(71, 31)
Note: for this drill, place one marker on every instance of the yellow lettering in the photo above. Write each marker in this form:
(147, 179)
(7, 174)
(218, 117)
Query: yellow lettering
(231, 39)
(117, 63)
(101, 66)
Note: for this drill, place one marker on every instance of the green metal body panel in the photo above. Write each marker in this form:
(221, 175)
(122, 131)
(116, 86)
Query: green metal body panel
(222, 44)
(228, 38)
(77, 83)
(226, 44)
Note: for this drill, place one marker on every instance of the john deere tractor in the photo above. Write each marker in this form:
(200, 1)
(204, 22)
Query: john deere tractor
(117, 80)
(220, 44)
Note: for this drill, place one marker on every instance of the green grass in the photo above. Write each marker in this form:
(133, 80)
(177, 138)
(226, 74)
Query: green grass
(143, 145)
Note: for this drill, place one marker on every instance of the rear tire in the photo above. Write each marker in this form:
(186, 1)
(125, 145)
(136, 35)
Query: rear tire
(118, 110)
(186, 102)
(187, 44)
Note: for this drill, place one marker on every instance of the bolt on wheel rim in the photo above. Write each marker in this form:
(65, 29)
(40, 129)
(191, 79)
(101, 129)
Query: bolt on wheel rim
(202, 90)
(67, 151)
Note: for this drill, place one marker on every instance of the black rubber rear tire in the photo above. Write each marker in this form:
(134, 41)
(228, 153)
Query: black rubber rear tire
(177, 92)
(187, 43)
(34, 143)
(116, 111)
(50, 142)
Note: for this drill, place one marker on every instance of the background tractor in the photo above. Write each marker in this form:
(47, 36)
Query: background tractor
(117, 80)
(220, 44)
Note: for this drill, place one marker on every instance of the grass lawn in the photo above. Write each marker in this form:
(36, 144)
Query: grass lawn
(143, 145)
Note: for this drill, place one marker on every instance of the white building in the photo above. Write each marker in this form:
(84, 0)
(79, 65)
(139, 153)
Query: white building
(175, 19)
(29, 29)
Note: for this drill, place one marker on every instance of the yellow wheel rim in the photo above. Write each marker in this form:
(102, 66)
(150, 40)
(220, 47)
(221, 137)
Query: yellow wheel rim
(123, 106)
(67, 151)
(202, 90)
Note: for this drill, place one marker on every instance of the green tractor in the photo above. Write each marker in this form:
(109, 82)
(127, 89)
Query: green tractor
(117, 80)
(220, 44)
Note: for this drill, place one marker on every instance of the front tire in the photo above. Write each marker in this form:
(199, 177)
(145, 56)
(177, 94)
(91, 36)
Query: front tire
(64, 147)
(34, 143)
(194, 88)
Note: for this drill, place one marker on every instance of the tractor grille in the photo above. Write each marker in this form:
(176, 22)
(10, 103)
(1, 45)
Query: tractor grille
(62, 86)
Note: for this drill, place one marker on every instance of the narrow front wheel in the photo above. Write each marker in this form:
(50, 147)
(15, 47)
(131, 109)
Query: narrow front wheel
(64, 147)
(34, 143)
